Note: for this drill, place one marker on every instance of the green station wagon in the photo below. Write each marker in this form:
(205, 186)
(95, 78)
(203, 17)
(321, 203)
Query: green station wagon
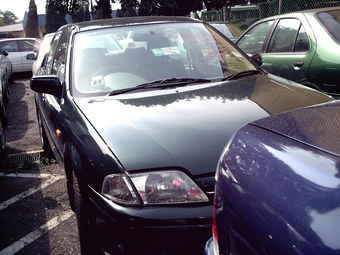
(300, 46)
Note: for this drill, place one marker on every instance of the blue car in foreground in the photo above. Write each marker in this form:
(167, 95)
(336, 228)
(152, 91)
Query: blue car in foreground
(278, 186)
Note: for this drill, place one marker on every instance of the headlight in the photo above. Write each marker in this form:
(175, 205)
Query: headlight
(163, 187)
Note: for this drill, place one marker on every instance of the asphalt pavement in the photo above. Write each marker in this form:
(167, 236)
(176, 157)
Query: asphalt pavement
(35, 216)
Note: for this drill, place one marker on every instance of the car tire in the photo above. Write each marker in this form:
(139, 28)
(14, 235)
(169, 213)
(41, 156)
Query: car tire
(2, 139)
(11, 79)
(86, 239)
(43, 137)
(3, 115)
(6, 92)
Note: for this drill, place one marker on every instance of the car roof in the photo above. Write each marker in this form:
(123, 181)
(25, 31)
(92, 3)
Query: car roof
(95, 24)
(19, 38)
(320, 10)
(302, 12)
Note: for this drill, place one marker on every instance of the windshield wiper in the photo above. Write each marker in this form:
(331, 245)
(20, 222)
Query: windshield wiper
(163, 83)
(240, 74)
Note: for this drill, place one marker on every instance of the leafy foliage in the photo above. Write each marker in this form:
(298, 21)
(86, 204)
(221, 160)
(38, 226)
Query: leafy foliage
(32, 24)
(79, 10)
(7, 18)
(159, 7)
(169, 7)
(55, 14)
(103, 8)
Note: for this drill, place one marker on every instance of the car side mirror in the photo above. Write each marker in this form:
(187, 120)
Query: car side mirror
(256, 56)
(4, 52)
(48, 84)
(31, 56)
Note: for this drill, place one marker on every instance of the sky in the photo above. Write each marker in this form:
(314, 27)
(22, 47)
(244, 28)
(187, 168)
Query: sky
(18, 7)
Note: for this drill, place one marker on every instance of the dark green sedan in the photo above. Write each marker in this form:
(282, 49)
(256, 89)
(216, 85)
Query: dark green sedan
(300, 46)
(138, 126)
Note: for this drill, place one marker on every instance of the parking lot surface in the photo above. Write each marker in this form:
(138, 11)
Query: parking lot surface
(35, 216)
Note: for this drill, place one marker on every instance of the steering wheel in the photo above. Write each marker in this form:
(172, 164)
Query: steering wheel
(108, 70)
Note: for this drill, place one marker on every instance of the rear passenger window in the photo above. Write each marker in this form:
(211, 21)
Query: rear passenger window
(26, 45)
(284, 36)
(10, 46)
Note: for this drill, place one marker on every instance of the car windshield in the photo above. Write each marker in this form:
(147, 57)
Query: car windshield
(118, 58)
(331, 21)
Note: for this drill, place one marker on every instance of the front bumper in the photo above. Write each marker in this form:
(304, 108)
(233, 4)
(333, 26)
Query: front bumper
(179, 229)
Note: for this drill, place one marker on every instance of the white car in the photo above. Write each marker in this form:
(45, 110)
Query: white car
(6, 76)
(17, 49)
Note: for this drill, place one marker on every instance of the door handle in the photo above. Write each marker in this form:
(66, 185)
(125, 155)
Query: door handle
(298, 63)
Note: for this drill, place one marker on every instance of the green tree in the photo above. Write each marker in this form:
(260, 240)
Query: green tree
(219, 4)
(8, 18)
(79, 10)
(185, 7)
(55, 14)
(159, 7)
(32, 24)
(103, 9)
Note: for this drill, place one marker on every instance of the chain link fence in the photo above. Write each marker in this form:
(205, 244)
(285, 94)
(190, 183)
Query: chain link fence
(244, 16)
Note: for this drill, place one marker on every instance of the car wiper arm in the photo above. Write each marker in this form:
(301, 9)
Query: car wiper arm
(161, 84)
(240, 74)
(175, 81)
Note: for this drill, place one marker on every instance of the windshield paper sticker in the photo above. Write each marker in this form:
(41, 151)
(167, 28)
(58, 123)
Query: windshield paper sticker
(165, 51)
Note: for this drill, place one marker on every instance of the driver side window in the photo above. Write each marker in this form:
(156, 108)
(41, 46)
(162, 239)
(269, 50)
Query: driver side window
(58, 67)
(253, 40)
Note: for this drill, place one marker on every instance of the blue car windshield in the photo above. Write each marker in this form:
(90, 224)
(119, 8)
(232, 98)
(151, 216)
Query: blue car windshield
(124, 57)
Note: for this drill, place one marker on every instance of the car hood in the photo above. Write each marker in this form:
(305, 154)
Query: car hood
(188, 126)
(317, 126)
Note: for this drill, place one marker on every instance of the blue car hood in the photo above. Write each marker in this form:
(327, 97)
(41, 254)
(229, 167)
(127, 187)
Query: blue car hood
(187, 126)
(317, 126)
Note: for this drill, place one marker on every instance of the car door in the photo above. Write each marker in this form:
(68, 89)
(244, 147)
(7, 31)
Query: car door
(289, 51)
(26, 47)
(54, 64)
(14, 54)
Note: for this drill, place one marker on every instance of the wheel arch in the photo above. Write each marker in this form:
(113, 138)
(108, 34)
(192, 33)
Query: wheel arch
(72, 165)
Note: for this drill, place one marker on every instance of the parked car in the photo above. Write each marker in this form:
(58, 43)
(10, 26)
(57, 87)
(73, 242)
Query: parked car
(17, 49)
(277, 186)
(300, 46)
(139, 131)
(3, 123)
(6, 75)
(229, 30)
(38, 56)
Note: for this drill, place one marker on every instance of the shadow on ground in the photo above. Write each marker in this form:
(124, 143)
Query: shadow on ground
(22, 133)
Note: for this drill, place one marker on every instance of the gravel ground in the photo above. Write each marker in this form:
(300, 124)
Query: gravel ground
(22, 133)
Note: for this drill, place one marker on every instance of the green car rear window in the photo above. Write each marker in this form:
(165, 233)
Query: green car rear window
(330, 20)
